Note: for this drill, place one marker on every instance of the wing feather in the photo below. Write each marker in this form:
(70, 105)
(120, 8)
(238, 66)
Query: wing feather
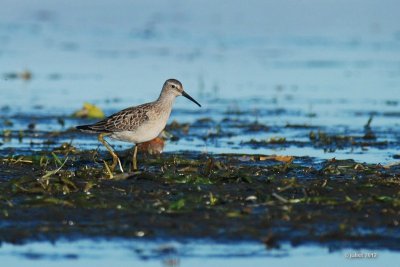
(125, 120)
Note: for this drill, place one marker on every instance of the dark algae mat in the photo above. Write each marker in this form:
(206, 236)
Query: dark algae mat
(68, 193)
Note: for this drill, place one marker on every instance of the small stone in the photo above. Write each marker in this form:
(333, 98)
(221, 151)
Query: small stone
(251, 198)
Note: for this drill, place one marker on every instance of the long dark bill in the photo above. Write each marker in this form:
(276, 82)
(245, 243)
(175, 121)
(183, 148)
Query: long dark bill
(190, 98)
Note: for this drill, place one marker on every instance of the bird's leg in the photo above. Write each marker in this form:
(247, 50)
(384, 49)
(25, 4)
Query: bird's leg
(134, 161)
(109, 148)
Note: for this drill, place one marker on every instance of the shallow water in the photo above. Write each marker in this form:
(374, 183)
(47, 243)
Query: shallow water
(161, 253)
(333, 80)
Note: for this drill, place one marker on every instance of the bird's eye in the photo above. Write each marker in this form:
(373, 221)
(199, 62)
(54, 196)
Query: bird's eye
(173, 86)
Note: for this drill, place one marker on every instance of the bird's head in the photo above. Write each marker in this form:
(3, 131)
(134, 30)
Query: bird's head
(175, 87)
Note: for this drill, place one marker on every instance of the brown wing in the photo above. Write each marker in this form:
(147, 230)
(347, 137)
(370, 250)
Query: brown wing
(125, 120)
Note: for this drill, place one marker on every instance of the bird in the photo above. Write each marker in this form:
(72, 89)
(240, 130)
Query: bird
(138, 124)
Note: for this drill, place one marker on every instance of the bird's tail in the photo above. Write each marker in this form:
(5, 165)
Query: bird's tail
(86, 129)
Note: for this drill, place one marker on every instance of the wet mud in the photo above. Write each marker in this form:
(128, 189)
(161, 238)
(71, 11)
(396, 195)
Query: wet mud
(68, 193)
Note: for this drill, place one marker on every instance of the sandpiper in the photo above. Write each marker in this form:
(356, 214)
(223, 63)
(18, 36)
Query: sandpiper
(140, 123)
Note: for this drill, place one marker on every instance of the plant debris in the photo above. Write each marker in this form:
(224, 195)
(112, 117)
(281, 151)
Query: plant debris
(89, 111)
(273, 199)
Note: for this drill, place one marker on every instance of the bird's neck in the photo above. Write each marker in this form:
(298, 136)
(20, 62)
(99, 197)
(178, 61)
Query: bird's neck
(166, 99)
